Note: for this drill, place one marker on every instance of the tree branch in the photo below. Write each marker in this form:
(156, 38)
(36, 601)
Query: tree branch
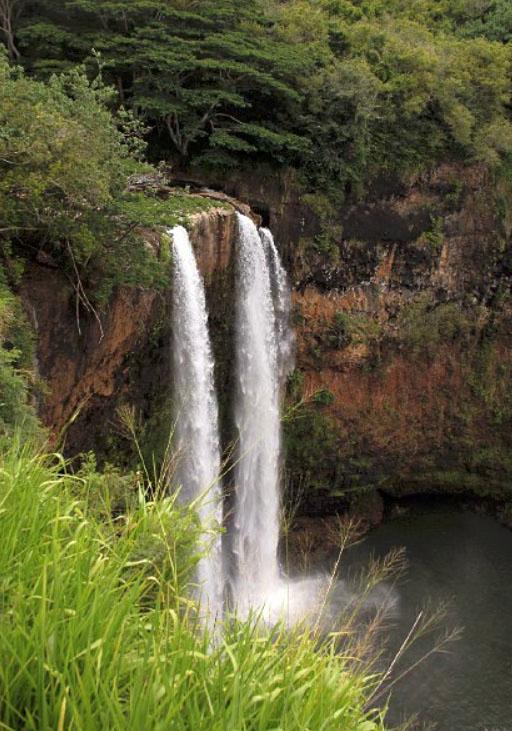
(82, 296)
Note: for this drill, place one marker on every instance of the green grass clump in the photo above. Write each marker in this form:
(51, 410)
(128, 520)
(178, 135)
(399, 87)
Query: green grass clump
(98, 632)
(149, 210)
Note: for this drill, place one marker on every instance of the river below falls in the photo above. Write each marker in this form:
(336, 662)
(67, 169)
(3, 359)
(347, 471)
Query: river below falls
(464, 559)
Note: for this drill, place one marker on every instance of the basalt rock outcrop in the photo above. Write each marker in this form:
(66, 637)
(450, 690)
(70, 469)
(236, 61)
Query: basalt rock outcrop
(404, 331)
(404, 325)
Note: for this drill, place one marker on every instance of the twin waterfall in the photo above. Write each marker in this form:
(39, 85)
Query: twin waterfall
(263, 357)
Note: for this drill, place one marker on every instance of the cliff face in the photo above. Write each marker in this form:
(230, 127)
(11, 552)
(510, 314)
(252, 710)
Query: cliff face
(91, 366)
(403, 315)
(84, 371)
(404, 322)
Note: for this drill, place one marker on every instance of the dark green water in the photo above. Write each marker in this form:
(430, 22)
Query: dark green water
(465, 559)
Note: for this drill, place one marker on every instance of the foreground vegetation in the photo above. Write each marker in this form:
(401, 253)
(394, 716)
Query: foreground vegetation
(99, 632)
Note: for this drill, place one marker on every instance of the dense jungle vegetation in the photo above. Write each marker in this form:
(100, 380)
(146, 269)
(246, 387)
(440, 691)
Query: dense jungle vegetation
(341, 89)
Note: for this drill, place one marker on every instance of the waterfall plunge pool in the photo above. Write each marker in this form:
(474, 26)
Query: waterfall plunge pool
(463, 559)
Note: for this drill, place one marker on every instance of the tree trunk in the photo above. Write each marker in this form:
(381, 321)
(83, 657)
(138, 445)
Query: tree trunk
(8, 13)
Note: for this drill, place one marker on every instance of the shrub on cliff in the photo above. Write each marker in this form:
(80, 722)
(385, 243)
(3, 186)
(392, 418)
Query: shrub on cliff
(64, 163)
(16, 367)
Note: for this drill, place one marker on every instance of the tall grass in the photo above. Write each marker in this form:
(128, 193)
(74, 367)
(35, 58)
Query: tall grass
(97, 631)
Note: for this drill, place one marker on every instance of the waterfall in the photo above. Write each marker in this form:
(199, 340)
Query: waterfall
(261, 309)
(264, 355)
(196, 429)
(282, 306)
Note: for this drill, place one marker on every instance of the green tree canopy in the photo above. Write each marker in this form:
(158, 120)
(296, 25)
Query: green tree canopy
(342, 89)
(210, 70)
(64, 165)
(401, 90)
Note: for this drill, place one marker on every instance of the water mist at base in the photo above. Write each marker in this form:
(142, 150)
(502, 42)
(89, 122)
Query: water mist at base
(196, 430)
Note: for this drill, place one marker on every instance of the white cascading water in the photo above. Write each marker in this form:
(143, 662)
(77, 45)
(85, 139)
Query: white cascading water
(257, 417)
(282, 306)
(264, 356)
(196, 428)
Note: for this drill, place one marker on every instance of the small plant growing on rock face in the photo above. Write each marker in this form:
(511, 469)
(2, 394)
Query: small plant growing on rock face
(453, 198)
(165, 248)
(324, 397)
(435, 237)
(340, 334)
(326, 245)
(295, 385)
(354, 327)
(425, 324)
(321, 205)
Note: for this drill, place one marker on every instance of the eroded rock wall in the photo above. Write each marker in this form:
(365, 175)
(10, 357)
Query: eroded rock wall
(405, 345)
(91, 365)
